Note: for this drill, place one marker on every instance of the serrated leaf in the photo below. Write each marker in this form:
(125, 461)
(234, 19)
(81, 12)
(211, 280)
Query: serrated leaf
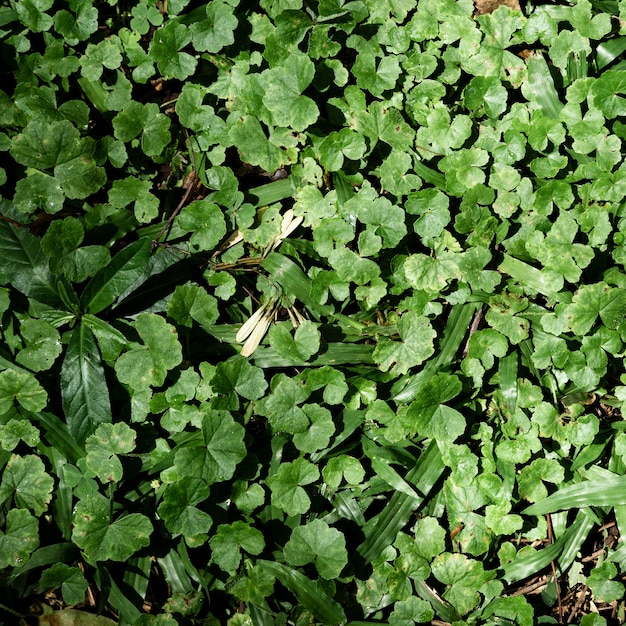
(206, 221)
(180, 514)
(38, 191)
(25, 481)
(222, 451)
(84, 389)
(22, 387)
(103, 448)
(416, 345)
(71, 580)
(102, 538)
(318, 543)
(166, 50)
(287, 483)
(61, 243)
(298, 347)
(147, 365)
(134, 191)
(231, 540)
(42, 345)
(237, 377)
(217, 30)
(283, 93)
(430, 416)
(146, 120)
(19, 538)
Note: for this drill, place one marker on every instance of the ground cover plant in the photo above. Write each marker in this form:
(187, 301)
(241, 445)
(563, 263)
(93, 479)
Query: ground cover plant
(312, 312)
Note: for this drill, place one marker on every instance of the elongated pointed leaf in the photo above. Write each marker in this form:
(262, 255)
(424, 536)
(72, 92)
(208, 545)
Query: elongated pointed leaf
(111, 281)
(308, 593)
(608, 492)
(540, 87)
(531, 564)
(381, 531)
(293, 281)
(24, 266)
(84, 389)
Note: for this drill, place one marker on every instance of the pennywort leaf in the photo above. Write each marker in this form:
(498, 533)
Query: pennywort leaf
(102, 538)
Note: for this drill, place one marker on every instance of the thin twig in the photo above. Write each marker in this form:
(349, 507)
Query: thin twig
(579, 601)
(183, 201)
(478, 316)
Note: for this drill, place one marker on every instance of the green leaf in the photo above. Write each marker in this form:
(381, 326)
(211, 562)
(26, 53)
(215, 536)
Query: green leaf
(116, 277)
(165, 50)
(557, 250)
(327, 610)
(343, 467)
(19, 538)
(229, 542)
(487, 92)
(84, 389)
(430, 416)
(237, 377)
(42, 345)
(21, 387)
(206, 221)
(318, 434)
(180, 514)
(601, 584)
(147, 365)
(32, 13)
(62, 244)
(38, 191)
(134, 191)
(146, 120)
(318, 543)
(250, 139)
(103, 448)
(416, 345)
(192, 302)
(463, 577)
(25, 480)
(608, 492)
(298, 347)
(24, 265)
(591, 301)
(101, 538)
(283, 93)
(411, 611)
(217, 30)
(223, 449)
(16, 430)
(282, 408)
(57, 145)
(287, 483)
(71, 580)
(190, 110)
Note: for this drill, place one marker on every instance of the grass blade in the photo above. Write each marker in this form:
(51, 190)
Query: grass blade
(293, 281)
(459, 320)
(308, 593)
(381, 530)
(540, 87)
(507, 371)
(610, 50)
(608, 492)
(530, 564)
